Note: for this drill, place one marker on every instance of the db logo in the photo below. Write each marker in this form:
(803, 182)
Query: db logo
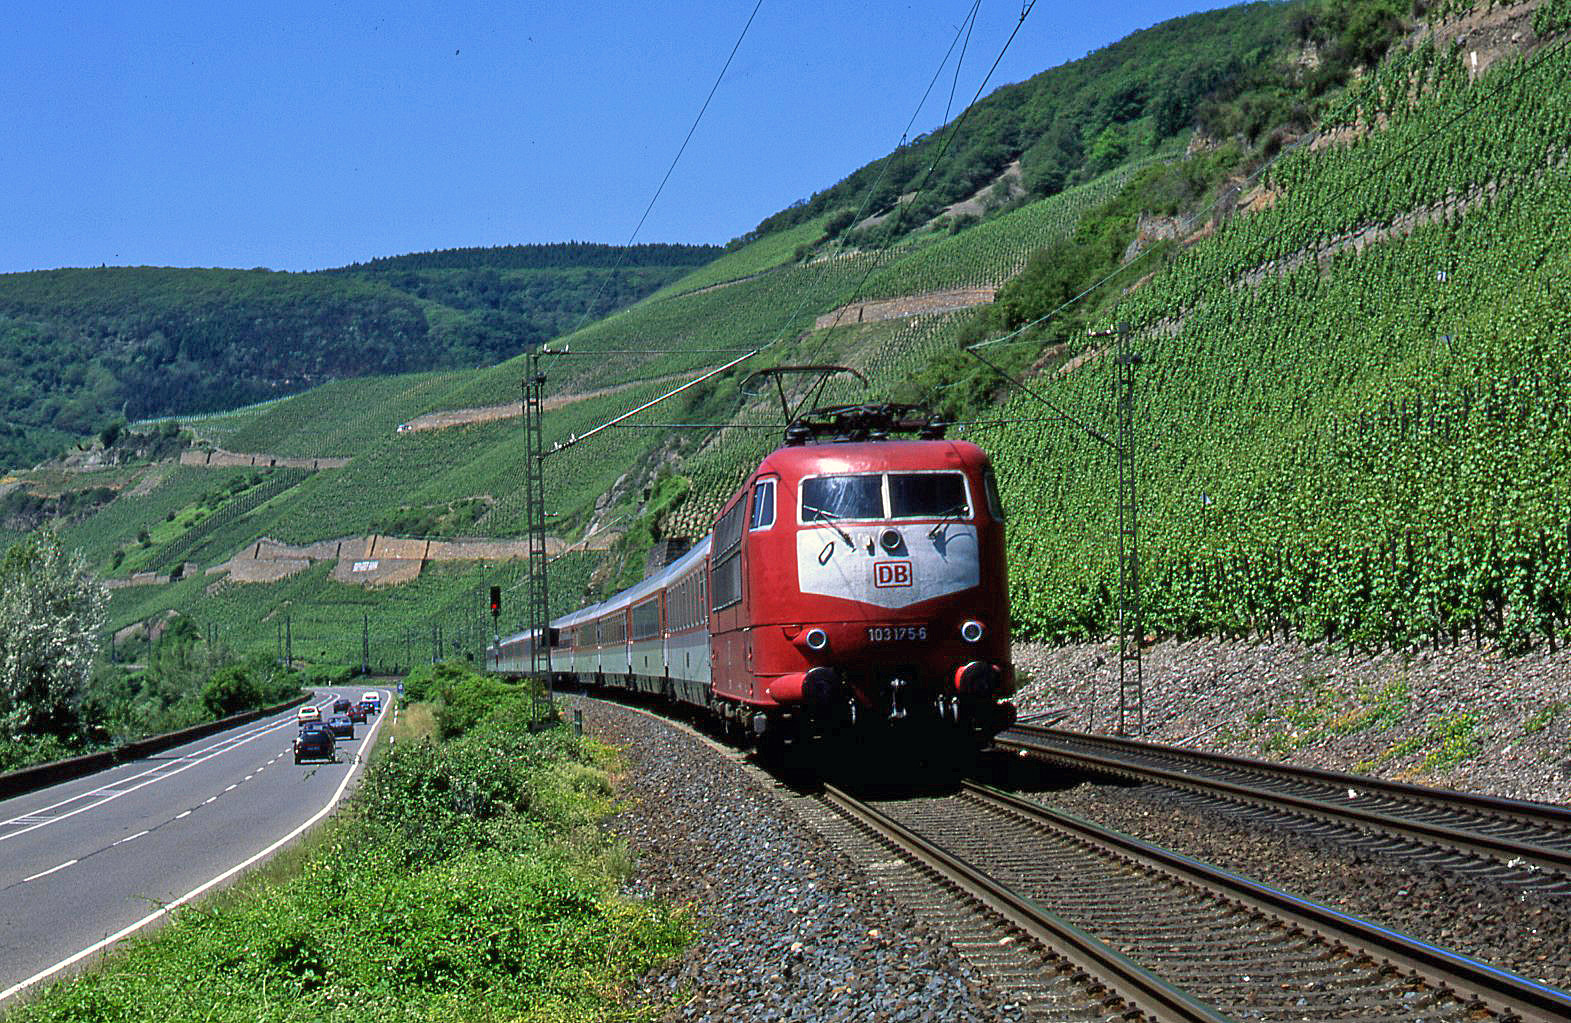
(889, 574)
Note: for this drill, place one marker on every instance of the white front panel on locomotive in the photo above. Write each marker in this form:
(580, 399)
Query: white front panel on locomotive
(932, 565)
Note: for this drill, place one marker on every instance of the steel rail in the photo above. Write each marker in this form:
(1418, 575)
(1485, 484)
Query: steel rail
(1033, 741)
(1546, 815)
(1501, 990)
(1126, 978)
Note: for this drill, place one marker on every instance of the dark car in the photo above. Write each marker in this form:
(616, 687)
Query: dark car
(342, 706)
(315, 742)
(341, 726)
(357, 713)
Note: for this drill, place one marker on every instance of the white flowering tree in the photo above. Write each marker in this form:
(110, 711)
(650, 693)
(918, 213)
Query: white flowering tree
(51, 611)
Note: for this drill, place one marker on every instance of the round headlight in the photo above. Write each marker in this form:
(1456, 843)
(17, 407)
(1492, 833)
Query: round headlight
(817, 639)
(891, 539)
(973, 631)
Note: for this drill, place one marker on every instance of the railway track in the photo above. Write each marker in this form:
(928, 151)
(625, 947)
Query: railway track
(1175, 938)
(1509, 841)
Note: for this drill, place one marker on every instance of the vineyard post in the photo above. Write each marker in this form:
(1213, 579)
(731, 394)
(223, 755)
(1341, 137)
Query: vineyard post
(289, 642)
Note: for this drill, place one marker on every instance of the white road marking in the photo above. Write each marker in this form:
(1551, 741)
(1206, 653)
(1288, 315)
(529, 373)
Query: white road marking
(111, 792)
(209, 799)
(51, 870)
(131, 838)
(164, 910)
(232, 787)
(178, 816)
(248, 777)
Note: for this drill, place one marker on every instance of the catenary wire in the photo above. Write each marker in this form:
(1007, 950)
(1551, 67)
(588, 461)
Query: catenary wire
(622, 256)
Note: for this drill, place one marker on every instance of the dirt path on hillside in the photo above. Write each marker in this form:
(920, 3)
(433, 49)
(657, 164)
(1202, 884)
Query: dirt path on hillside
(513, 409)
(946, 301)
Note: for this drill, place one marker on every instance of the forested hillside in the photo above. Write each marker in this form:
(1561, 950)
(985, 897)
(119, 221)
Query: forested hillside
(1218, 73)
(81, 347)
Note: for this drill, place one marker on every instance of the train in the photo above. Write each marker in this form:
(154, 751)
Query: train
(855, 582)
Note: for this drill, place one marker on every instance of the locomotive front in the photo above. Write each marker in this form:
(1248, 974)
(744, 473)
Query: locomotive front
(878, 587)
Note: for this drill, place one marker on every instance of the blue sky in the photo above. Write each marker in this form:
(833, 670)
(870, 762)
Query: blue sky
(305, 135)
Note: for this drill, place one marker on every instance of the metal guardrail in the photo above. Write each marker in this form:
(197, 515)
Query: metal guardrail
(30, 779)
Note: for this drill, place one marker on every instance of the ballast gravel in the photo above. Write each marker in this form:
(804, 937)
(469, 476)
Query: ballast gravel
(1520, 929)
(791, 930)
(1464, 717)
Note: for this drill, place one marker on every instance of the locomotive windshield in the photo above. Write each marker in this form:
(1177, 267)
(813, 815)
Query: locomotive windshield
(895, 495)
(843, 497)
(917, 495)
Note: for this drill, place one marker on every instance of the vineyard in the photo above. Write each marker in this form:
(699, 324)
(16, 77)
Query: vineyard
(1351, 408)
(993, 252)
(1368, 447)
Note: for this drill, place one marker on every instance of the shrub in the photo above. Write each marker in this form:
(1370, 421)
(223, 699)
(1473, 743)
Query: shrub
(230, 691)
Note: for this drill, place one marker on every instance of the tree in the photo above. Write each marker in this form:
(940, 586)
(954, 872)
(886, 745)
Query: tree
(51, 610)
(230, 691)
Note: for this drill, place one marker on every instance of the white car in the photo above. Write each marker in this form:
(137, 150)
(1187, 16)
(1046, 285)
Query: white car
(373, 698)
(308, 713)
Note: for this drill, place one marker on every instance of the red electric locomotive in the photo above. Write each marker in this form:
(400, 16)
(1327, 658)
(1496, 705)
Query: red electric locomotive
(853, 582)
(858, 581)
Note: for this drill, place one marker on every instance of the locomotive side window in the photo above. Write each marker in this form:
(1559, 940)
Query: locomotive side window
(842, 497)
(925, 495)
(990, 487)
(763, 515)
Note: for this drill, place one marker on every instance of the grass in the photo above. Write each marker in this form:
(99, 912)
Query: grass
(1322, 711)
(468, 879)
(1445, 741)
(1542, 718)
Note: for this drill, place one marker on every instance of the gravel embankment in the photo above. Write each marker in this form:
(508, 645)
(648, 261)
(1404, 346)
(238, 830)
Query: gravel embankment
(793, 931)
(1457, 718)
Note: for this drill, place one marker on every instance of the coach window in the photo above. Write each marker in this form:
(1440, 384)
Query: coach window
(763, 515)
(646, 619)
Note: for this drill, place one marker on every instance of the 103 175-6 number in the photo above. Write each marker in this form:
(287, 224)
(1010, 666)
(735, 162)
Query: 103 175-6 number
(896, 633)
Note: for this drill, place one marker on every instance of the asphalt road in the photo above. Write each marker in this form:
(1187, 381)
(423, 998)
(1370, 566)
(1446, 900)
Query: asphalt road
(82, 861)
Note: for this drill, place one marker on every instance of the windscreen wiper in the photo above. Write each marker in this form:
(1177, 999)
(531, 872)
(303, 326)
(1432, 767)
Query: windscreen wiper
(956, 512)
(829, 517)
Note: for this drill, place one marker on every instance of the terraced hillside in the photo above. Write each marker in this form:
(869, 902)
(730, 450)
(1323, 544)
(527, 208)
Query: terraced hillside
(1363, 334)
(1350, 417)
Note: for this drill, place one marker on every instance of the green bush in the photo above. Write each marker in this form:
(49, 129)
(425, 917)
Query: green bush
(460, 888)
(462, 697)
(230, 691)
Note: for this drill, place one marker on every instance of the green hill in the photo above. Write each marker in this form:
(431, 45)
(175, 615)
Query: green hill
(1349, 304)
(80, 347)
